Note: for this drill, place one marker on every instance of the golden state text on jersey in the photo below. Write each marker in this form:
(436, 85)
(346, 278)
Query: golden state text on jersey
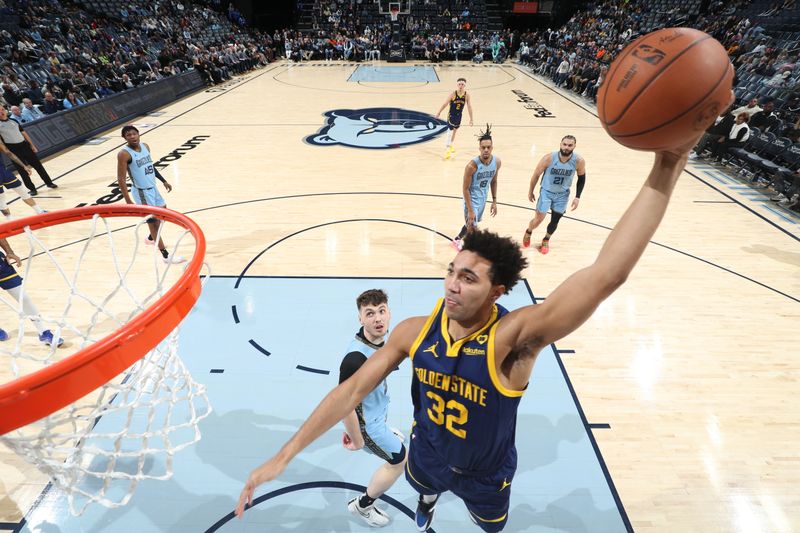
(460, 406)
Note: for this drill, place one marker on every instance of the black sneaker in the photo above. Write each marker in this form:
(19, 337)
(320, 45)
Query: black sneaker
(52, 185)
(424, 515)
(33, 192)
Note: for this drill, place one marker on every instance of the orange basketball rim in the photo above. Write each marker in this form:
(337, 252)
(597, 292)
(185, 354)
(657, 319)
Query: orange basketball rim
(43, 392)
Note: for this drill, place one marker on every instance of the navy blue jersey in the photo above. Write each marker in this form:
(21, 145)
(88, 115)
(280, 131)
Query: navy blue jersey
(457, 104)
(461, 409)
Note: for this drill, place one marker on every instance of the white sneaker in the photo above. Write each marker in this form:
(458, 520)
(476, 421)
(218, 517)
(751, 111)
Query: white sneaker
(371, 515)
(174, 260)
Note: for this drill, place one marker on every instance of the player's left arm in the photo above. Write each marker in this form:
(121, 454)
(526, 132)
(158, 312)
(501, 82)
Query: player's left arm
(493, 207)
(469, 107)
(580, 169)
(161, 178)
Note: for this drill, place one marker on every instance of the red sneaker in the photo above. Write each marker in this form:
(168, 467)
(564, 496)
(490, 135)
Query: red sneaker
(526, 239)
(544, 247)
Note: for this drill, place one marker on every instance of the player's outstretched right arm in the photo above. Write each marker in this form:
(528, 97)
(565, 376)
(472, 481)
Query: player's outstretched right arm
(336, 405)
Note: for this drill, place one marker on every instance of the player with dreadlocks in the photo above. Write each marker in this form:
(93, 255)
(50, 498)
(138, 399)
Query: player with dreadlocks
(479, 175)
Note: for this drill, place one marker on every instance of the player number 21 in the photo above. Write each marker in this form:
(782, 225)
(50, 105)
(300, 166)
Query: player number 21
(456, 414)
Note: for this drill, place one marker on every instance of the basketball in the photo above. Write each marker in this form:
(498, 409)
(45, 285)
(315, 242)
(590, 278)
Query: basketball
(664, 88)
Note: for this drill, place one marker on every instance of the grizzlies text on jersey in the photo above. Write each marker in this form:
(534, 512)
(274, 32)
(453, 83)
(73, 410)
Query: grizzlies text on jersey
(558, 175)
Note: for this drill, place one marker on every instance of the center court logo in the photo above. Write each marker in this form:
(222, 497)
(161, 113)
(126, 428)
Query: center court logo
(376, 127)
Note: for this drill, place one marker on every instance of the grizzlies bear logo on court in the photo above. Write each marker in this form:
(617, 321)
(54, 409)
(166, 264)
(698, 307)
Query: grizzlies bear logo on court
(377, 127)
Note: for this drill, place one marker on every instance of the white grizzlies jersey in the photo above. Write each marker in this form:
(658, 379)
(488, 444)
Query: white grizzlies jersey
(558, 176)
(482, 180)
(141, 167)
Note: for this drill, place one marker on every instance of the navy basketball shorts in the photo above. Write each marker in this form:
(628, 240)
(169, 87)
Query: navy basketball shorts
(486, 497)
(454, 122)
(8, 275)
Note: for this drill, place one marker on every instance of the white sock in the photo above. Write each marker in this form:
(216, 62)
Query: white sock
(28, 308)
(38, 209)
(449, 140)
(429, 498)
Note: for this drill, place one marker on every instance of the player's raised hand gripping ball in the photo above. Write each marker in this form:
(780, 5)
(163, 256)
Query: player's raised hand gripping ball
(664, 88)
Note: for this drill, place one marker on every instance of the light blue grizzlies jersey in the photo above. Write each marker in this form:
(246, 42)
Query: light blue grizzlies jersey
(460, 407)
(374, 408)
(482, 181)
(558, 176)
(141, 167)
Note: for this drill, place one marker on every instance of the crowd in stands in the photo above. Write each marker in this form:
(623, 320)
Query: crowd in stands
(757, 136)
(62, 55)
(55, 56)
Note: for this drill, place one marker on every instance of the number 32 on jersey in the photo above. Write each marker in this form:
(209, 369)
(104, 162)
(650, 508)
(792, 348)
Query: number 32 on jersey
(451, 414)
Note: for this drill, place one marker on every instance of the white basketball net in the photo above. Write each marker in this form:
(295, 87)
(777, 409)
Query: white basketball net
(99, 448)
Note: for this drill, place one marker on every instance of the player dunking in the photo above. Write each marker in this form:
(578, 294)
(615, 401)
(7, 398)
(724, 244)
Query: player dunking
(558, 169)
(480, 175)
(472, 360)
(135, 160)
(456, 100)
(366, 426)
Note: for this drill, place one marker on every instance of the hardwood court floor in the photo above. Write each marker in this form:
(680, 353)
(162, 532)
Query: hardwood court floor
(692, 363)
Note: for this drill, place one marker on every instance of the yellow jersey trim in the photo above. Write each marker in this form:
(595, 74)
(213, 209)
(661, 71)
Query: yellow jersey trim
(415, 479)
(14, 275)
(425, 329)
(454, 348)
(490, 361)
(495, 520)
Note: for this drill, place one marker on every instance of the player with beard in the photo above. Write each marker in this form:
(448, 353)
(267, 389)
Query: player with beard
(558, 169)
